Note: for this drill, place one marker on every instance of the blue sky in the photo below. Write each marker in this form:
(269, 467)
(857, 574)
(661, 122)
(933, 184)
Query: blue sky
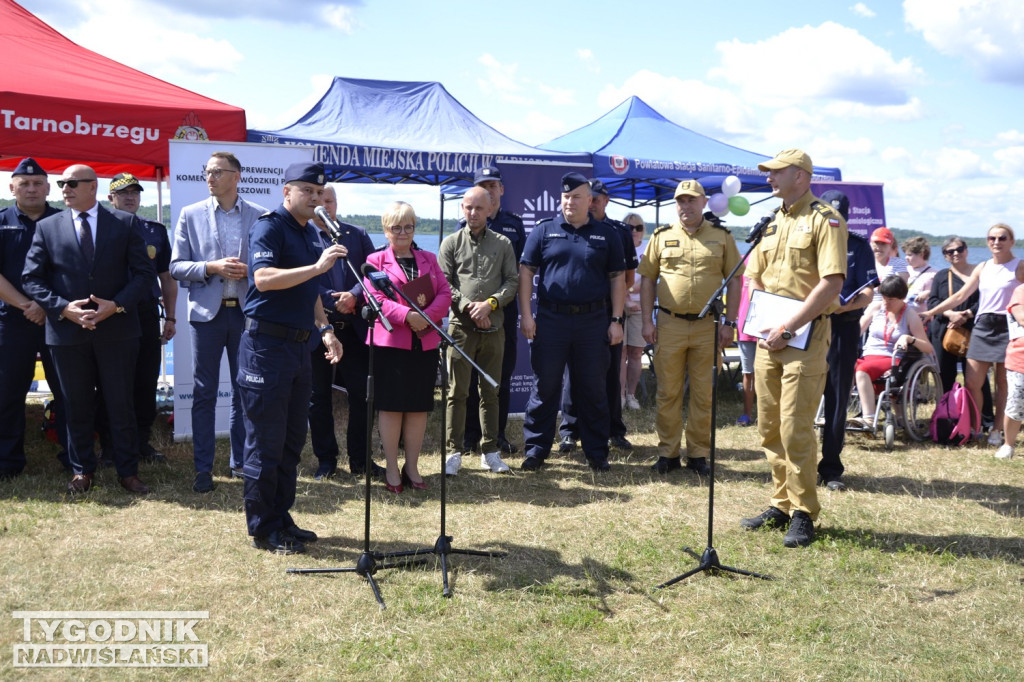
(924, 95)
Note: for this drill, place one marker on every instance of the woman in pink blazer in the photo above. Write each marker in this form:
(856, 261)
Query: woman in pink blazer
(406, 360)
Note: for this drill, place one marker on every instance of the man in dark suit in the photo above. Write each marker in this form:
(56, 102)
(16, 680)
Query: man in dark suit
(87, 268)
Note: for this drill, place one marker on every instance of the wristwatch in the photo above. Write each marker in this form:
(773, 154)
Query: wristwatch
(493, 302)
(326, 328)
(729, 323)
(785, 333)
(620, 319)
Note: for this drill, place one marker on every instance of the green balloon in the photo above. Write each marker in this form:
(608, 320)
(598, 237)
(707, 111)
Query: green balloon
(739, 205)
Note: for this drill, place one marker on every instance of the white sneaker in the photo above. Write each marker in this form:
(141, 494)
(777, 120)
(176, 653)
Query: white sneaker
(632, 403)
(995, 437)
(453, 464)
(1004, 452)
(492, 461)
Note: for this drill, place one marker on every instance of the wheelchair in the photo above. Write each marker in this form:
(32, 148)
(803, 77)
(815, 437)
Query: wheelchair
(906, 397)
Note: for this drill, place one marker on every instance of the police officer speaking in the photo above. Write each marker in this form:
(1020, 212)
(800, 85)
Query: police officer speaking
(283, 317)
(801, 257)
(579, 266)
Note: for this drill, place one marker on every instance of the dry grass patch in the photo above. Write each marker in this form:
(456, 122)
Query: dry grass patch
(916, 573)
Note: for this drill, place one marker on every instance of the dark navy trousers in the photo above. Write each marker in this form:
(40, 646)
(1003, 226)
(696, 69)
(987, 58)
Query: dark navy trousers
(842, 357)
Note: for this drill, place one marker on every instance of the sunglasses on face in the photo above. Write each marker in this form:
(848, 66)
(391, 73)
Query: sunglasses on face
(997, 237)
(72, 183)
(638, 228)
(957, 250)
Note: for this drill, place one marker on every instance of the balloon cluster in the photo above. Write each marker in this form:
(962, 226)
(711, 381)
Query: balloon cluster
(728, 200)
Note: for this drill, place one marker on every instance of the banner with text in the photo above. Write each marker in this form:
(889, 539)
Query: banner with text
(867, 205)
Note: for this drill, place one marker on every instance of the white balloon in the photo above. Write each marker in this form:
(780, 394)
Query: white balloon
(731, 186)
(718, 204)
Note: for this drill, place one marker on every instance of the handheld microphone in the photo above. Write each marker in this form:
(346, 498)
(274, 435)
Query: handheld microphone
(380, 281)
(333, 228)
(757, 230)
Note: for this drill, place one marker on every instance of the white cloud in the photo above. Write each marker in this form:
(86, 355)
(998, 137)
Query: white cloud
(703, 108)
(989, 35)
(950, 163)
(892, 155)
(589, 60)
(1011, 160)
(1010, 137)
(862, 10)
(532, 128)
(835, 63)
(341, 17)
(913, 110)
(502, 81)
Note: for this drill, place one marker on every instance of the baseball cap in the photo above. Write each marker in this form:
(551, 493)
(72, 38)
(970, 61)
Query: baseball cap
(788, 157)
(690, 187)
(884, 235)
(124, 181)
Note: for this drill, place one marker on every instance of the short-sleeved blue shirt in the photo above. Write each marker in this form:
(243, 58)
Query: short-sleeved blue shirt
(510, 225)
(277, 240)
(573, 264)
(158, 247)
(16, 231)
(860, 267)
(626, 235)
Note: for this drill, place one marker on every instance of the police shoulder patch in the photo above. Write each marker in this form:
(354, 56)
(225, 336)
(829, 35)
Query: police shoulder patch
(661, 229)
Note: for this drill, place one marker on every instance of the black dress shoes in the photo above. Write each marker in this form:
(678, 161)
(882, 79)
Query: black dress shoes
(147, 453)
(327, 469)
(667, 464)
(300, 534)
(698, 465)
(279, 542)
(772, 517)
(532, 463)
(506, 447)
(203, 482)
(567, 445)
(599, 464)
(801, 530)
(358, 469)
(620, 442)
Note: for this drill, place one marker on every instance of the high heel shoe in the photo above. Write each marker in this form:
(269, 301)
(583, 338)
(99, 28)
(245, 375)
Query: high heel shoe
(396, 489)
(418, 485)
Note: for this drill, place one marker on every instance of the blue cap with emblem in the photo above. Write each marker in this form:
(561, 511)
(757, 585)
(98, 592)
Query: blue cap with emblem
(28, 166)
(305, 172)
(571, 181)
(486, 173)
(597, 187)
(839, 202)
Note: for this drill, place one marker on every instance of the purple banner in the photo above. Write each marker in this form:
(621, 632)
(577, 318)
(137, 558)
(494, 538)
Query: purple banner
(867, 205)
(534, 192)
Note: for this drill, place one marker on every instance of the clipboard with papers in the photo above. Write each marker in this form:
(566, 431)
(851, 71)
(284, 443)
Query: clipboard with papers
(769, 311)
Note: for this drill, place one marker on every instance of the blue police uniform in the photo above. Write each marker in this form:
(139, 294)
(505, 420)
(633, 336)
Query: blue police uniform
(613, 380)
(573, 286)
(350, 371)
(508, 224)
(147, 365)
(20, 340)
(842, 358)
(274, 372)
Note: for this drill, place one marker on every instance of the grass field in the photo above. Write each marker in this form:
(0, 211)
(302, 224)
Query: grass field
(916, 573)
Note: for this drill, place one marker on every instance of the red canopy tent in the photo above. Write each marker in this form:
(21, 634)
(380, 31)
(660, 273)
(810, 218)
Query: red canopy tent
(67, 104)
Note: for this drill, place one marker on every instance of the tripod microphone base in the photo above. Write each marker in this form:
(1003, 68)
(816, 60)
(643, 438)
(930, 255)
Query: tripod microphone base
(366, 566)
(708, 561)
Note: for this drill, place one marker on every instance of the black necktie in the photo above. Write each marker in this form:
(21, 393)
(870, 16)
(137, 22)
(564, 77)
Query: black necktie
(85, 238)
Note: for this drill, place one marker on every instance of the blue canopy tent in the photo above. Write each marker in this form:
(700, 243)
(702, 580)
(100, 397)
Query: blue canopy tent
(641, 156)
(401, 131)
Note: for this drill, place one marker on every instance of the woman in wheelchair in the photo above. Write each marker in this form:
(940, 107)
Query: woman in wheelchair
(894, 329)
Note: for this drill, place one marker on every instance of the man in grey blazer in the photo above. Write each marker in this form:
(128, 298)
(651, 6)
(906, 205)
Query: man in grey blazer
(88, 269)
(209, 256)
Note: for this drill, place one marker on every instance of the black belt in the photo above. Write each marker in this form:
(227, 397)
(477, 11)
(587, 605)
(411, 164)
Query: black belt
(572, 309)
(229, 302)
(692, 317)
(278, 331)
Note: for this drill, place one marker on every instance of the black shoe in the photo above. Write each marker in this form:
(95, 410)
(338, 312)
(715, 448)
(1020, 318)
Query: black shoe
(835, 485)
(147, 453)
(506, 447)
(698, 465)
(237, 473)
(376, 471)
(599, 464)
(772, 517)
(532, 463)
(620, 442)
(801, 530)
(279, 542)
(300, 534)
(203, 482)
(567, 445)
(327, 469)
(667, 464)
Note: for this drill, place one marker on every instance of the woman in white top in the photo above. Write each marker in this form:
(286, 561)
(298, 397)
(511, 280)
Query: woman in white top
(994, 280)
(632, 357)
(920, 271)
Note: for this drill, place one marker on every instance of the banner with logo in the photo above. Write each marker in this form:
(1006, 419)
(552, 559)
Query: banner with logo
(261, 181)
(533, 191)
(867, 205)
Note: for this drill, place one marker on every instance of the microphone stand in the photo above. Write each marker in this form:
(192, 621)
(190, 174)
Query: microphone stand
(443, 546)
(368, 562)
(708, 561)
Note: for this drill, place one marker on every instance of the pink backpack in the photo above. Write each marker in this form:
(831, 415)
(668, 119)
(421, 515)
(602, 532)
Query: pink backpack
(955, 418)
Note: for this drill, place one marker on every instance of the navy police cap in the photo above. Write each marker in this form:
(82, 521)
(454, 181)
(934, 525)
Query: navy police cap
(571, 181)
(305, 172)
(597, 187)
(28, 166)
(486, 173)
(839, 201)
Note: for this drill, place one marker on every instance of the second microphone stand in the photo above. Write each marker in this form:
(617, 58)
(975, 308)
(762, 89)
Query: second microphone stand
(708, 561)
(443, 546)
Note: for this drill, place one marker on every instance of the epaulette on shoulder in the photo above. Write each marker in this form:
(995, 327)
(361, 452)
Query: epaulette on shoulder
(857, 235)
(267, 214)
(542, 221)
(518, 218)
(824, 209)
(661, 229)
